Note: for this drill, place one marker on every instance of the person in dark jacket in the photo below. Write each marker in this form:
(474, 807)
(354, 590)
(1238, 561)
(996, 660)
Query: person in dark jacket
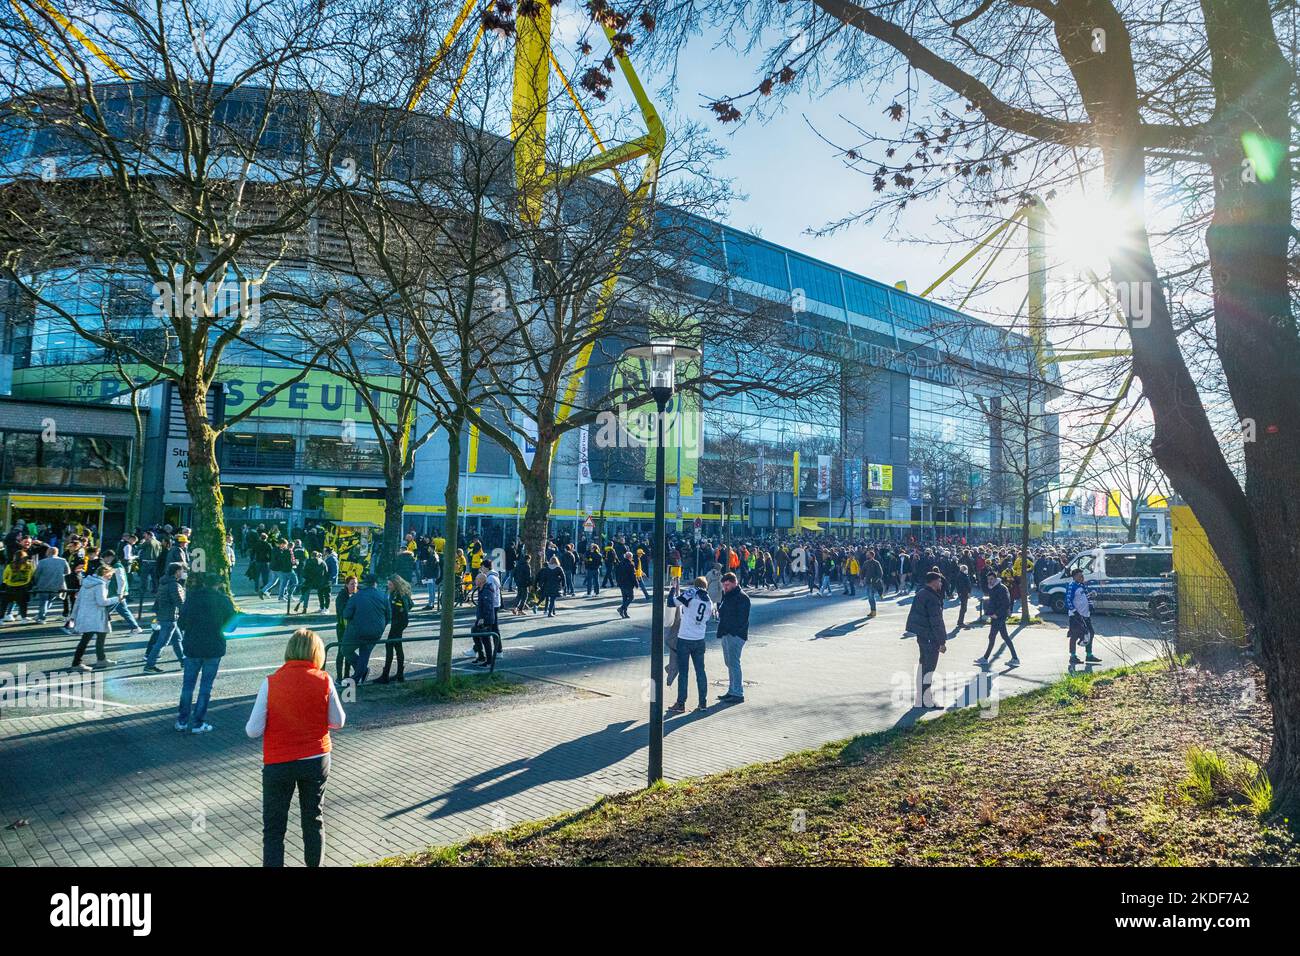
(591, 565)
(406, 565)
(368, 613)
(431, 575)
(166, 608)
(204, 618)
(487, 640)
(314, 580)
(925, 620)
(874, 573)
(343, 656)
(401, 605)
(997, 606)
(961, 584)
(569, 564)
(550, 584)
(523, 583)
(625, 577)
(733, 631)
(331, 560)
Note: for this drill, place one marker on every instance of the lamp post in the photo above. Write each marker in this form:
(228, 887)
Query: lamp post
(662, 355)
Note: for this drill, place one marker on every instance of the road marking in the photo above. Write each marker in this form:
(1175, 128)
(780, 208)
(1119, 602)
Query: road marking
(590, 657)
(225, 670)
(621, 640)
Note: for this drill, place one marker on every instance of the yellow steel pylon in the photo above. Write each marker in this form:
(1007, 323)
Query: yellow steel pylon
(1035, 215)
(534, 60)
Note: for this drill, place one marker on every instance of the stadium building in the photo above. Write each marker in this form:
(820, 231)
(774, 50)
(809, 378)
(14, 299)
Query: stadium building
(920, 393)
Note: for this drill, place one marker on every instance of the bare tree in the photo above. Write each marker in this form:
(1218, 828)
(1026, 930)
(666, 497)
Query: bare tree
(1198, 98)
(176, 195)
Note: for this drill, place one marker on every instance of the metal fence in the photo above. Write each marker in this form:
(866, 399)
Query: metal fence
(1207, 617)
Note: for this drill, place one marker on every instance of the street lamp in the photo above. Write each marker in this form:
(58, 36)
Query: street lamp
(662, 354)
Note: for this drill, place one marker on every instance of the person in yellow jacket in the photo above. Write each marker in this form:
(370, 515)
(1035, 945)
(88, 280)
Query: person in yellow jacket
(18, 586)
(851, 572)
(1012, 579)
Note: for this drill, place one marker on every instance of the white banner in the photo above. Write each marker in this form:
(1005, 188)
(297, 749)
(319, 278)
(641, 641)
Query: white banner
(528, 441)
(584, 462)
(176, 472)
(823, 477)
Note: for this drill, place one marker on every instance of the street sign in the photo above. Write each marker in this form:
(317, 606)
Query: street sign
(589, 525)
(698, 524)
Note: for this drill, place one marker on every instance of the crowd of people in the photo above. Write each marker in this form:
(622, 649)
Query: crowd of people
(67, 573)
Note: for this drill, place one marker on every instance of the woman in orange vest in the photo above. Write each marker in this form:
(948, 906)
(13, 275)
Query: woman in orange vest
(295, 711)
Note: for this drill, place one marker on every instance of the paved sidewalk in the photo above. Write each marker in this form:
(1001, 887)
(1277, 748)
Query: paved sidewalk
(125, 789)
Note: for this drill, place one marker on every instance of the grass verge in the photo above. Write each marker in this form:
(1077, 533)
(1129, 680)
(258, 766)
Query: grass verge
(1095, 769)
(466, 688)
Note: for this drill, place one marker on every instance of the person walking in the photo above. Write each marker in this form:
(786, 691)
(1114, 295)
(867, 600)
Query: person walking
(1080, 608)
(487, 640)
(523, 583)
(120, 589)
(625, 578)
(48, 582)
(733, 631)
(874, 572)
(569, 565)
(696, 608)
(401, 605)
(168, 601)
(204, 618)
(314, 581)
(368, 613)
(997, 606)
(90, 617)
(295, 710)
(149, 550)
(431, 575)
(962, 585)
(925, 621)
(550, 584)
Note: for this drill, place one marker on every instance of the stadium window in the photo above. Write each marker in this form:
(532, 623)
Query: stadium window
(756, 261)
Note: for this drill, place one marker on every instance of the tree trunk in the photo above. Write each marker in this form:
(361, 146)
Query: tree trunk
(1024, 553)
(1253, 532)
(450, 580)
(208, 550)
(394, 506)
(536, 483)
(136, 480)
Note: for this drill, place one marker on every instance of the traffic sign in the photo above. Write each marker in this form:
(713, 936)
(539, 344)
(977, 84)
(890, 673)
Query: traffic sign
(589, 525)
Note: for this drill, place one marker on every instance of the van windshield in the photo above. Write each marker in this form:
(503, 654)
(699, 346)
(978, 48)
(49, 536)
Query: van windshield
(1084, 563)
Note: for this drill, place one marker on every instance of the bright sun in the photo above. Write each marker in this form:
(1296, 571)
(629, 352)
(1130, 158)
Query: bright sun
(1084, 233)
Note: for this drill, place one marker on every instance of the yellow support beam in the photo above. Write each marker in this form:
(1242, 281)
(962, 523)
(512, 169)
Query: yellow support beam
(422, 81)
(529, 106)
(1015, 216)
(1085, 356)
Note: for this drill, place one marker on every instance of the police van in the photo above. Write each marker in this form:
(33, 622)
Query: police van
(1118, 578)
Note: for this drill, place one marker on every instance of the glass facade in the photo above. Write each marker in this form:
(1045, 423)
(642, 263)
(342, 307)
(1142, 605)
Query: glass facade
(949, 415)
(34, 460)
(847, 316)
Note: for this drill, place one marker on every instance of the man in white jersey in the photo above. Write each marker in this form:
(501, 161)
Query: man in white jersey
(696, 607)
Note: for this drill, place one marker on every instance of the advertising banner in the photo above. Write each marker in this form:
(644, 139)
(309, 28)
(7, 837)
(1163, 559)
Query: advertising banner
(823, 477)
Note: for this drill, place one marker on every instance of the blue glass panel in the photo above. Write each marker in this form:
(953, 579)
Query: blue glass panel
(757, 261)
